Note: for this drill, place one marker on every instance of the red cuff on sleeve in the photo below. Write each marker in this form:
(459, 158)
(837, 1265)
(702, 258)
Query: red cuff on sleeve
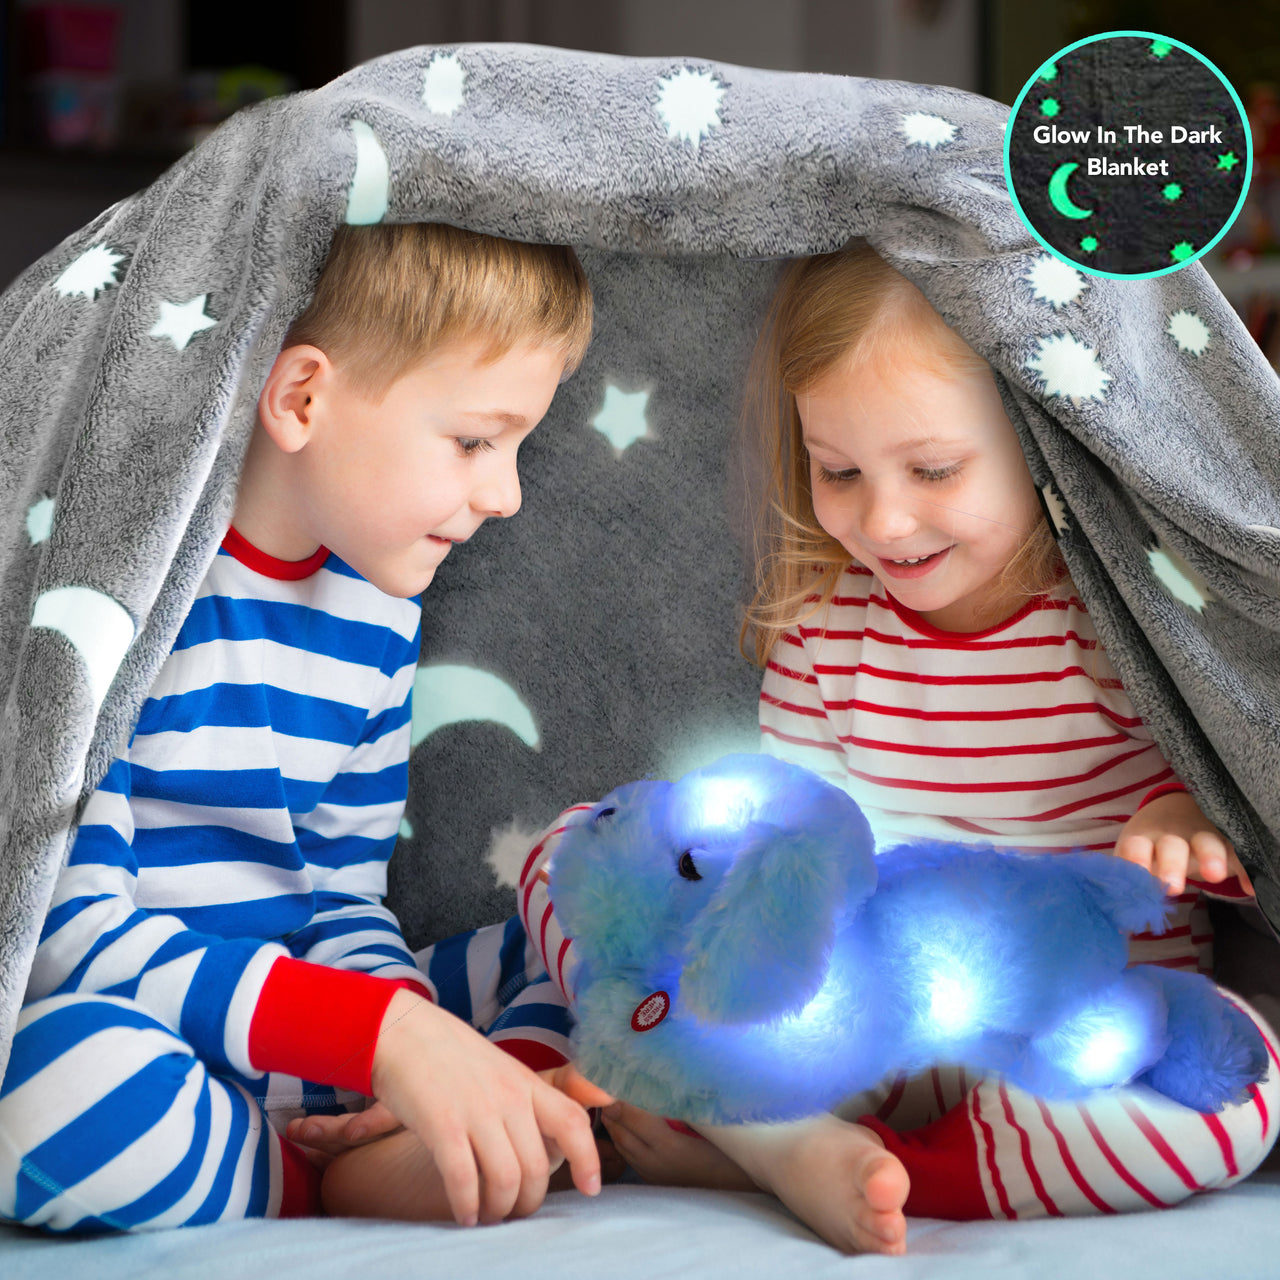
(1164, 789)
(320, 1023)
(533, 1053)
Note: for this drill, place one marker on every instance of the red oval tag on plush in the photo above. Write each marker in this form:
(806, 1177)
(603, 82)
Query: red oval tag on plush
(650, 1011)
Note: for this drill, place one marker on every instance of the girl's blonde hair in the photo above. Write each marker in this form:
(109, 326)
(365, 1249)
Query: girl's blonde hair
(831, 309)
(390, 294)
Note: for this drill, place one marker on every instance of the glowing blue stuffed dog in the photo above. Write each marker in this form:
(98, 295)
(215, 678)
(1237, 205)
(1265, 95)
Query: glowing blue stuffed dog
(743, 956)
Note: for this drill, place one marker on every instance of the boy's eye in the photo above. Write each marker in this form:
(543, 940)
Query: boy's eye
(469, 445)
(837, 477)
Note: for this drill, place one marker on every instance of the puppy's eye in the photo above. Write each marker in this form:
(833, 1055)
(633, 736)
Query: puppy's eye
(605, 813)
(687, 867)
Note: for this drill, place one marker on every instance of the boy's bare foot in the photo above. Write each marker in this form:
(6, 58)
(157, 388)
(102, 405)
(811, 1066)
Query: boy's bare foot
(836, 1177)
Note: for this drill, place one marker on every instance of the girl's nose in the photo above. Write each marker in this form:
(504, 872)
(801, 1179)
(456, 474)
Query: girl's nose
(885, 516)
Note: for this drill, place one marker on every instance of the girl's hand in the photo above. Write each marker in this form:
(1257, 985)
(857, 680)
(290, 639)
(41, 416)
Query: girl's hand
(333, 1135)
(666, 1158)
(1172, 839)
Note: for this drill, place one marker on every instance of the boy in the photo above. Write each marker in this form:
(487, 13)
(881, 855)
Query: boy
(217, 941)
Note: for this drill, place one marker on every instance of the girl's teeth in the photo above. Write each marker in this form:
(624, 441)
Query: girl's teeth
(917, 560)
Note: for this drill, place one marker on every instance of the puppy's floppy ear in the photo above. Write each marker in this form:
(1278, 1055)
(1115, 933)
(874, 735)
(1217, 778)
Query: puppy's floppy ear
(759, 949)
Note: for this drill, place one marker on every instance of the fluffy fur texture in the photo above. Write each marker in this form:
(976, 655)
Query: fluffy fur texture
(801, 969)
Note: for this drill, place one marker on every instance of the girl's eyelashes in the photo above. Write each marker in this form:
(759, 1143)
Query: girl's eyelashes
(937, 473)
(468, 445)
(931, 474)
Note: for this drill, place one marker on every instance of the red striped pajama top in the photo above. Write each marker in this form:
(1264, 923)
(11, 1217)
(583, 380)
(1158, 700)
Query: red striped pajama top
(1020, 735)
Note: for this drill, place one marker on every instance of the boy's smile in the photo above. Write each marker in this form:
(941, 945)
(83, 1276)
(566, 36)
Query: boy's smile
(390, 484)
(920, 477)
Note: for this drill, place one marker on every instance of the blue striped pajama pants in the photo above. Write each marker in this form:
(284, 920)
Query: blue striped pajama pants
(110, 1122)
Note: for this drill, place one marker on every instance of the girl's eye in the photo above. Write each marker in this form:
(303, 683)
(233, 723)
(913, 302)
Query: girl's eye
(937, 473)
(687, 867)
(837, 477)
(468, 445)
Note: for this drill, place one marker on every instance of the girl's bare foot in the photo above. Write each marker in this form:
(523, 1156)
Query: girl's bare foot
(836, 1177)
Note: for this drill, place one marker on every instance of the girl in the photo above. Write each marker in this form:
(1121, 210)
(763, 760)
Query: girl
(924, 647)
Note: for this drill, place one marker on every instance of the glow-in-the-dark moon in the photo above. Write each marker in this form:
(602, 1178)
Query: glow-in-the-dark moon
(1058, 196)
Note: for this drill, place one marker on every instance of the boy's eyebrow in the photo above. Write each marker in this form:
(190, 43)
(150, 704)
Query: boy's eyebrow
(516, 420)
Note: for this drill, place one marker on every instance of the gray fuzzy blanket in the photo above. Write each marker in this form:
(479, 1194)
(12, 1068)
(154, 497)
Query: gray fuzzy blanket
(593, 639)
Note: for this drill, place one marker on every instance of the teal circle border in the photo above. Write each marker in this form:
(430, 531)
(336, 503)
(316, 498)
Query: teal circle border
(1137, 275)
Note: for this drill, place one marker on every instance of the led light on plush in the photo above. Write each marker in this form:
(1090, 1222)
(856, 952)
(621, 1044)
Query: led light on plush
(802, 968)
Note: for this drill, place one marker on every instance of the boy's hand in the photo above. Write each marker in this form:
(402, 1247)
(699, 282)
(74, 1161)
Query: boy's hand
(1172, 839)
(334, 1134)
(487, 1120)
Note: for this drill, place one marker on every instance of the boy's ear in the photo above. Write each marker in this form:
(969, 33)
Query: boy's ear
(285, 407)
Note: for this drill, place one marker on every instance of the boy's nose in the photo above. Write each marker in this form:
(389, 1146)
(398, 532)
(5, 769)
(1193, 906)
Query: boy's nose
(498, 492)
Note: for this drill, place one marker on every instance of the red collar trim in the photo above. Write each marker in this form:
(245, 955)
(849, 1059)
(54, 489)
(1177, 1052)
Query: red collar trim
(260, 562)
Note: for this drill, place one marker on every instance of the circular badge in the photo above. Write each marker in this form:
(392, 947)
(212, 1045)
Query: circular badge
(651, 1011)
(1128, 155)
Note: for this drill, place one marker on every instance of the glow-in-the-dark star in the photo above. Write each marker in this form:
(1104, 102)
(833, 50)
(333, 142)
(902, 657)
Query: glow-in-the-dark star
(1056, 508)
(1179, 578)
(443, 83)
(1188, 331)
(1049, 107)
(1054, 282)
(1172, 192)
(181, 322)
(370, 187)
(40, 521)
(1181, 251)
(689, 104)
(923, 130)
(93, 271)
(1229, 161)
(621, 419)
(1161, 48)
(1069, 368)
(1089, 243)
(1049, 72)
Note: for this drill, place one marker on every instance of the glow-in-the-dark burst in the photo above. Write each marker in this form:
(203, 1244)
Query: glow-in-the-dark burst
(1069, 368)
(1172, 191)
(1188, 331)
(1181, 251)
(1056, 508)
(443, 84)
(93, 271)
(1054, 282)
(924, 130)
(689, 104)
(1179, 578)
(1050, 107)
(40, 521)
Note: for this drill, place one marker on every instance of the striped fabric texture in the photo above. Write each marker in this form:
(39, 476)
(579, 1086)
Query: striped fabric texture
(1019, 736)
(254, 811)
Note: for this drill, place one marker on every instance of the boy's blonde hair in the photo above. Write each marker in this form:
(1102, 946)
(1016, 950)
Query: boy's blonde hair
(846, 308)
(390, 294)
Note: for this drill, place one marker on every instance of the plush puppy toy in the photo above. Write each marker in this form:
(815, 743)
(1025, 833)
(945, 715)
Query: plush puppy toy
(744, 956)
